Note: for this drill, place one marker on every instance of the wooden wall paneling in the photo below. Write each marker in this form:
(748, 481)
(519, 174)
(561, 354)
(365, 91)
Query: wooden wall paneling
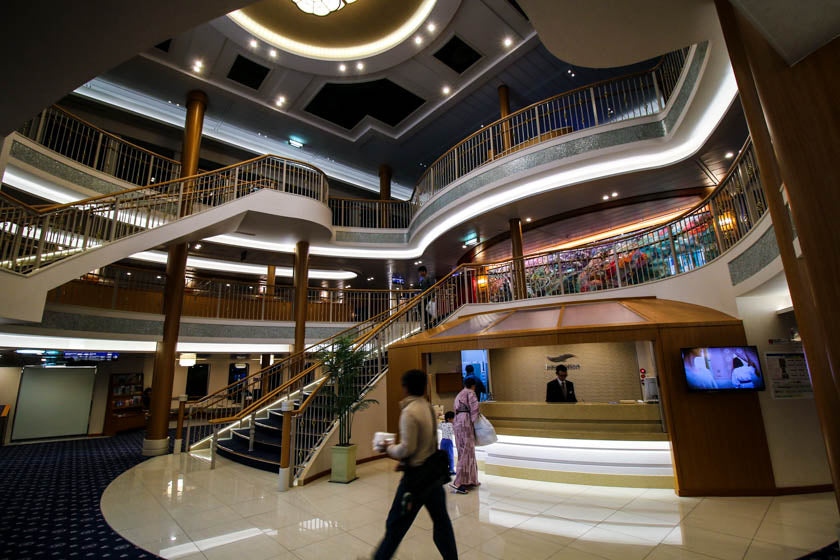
(400, 360)
(718, 440)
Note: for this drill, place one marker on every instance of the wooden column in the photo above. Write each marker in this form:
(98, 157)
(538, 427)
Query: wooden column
(518, 269)
(301, 289)
(270, 279)
(157, 429)
(504, 110)
(800, 136)
(385, 174)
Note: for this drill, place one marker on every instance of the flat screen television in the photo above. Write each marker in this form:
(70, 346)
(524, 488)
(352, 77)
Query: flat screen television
(722, 368)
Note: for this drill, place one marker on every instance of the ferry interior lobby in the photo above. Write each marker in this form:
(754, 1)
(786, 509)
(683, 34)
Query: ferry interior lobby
(205, 203)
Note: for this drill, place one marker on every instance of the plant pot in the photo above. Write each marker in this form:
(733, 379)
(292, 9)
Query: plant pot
(343, 464)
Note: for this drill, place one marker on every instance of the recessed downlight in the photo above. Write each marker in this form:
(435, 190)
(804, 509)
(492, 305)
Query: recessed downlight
(418, 40)
(729, 155)
(431, 27)
(605, 197)
(272, 53)
(507, 42)
(253, 43)
(342, 67)
(360, 66)
(445, 90)
(615, 194)
(528, 219)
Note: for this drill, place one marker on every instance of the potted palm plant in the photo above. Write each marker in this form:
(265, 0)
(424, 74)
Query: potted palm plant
(344, 366)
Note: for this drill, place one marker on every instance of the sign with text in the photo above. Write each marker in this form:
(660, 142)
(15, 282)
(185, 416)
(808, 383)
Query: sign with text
(787, 375)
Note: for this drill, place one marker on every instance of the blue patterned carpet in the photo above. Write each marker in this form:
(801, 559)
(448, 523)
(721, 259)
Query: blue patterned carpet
(49, 498)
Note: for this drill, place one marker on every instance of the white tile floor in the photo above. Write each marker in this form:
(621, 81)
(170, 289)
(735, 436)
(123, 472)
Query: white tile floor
(175, 506)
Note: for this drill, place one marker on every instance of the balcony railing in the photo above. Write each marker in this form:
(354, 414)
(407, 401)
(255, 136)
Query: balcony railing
(141, 291)
(640, 94)
(33, 237)
(620, 99)
(686, 243)
(89, 145)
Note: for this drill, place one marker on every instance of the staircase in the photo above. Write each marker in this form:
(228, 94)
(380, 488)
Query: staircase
(57, 243)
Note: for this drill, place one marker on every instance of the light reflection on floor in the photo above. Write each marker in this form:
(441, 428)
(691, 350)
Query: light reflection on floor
(175, 506)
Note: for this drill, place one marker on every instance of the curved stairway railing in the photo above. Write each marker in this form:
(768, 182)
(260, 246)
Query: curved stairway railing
(141, 291)
(686, 243)
(31, 237)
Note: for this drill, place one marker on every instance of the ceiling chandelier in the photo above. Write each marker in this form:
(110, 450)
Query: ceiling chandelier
(321, 7)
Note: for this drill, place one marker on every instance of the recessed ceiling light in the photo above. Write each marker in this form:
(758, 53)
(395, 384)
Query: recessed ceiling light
(370, 278)
(446, 90)
(463, 246)
(295, 143)
(615, 194)
(342, 67)
(272, 53)
(431, 27)
(360, 66)
(573, 74)
(199, 62)
(527, 219)
(729, 155)
(418, 40)
(159, 277)
(508, 41)
(606, 197)
(280, 100)
(128, 274)
(569, 71)
(197, 246)
(228, 285)
(253, 43)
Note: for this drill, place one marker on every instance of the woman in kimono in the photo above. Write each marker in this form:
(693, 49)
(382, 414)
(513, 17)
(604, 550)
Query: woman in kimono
(466, 413)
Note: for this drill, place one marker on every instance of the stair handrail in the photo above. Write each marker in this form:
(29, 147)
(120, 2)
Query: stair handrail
(28, 234)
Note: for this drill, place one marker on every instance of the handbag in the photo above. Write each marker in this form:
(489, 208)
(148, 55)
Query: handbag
(434, 471)
(485, 433)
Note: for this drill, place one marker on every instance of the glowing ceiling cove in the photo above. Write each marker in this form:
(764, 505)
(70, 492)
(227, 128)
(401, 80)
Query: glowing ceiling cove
(366, 50)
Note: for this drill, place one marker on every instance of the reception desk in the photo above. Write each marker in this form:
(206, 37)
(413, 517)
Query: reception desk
(576, 420)
(579, 443)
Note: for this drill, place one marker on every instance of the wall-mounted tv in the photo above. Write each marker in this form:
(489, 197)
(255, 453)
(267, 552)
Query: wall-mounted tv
(723, 368)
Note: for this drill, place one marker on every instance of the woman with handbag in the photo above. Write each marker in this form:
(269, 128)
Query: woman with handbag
(426, 470)
(466, 413)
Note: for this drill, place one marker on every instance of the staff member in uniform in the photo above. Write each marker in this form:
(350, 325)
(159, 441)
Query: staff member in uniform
(560, 390)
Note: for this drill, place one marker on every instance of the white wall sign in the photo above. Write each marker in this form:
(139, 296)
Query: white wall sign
(787, 375)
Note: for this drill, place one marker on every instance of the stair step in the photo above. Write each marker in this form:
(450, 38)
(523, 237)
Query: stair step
(263, 439)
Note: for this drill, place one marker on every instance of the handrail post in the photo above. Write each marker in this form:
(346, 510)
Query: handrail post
(41, 240)
(252, 431)
(98, 148)
(40, 131)
(189, 425)
(219, 301)
(213, 446)
(537, 122)
(673, 245)
(617, 267)
(659, 102)
(716, 225)
(284, 475)
(179, 429)
(114, 220)
(594, 107)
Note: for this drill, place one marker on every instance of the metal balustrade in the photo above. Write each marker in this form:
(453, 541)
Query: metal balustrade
(140, 290)
(89, 145)
(681, 245)
(620, 99)
(636, 95)
(34, 237)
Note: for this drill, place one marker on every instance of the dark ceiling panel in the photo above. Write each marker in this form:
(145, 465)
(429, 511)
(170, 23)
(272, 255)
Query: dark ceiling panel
(247, 72)
(457, 55)
(346, 104)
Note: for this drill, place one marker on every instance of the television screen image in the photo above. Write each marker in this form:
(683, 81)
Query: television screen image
(723, 368)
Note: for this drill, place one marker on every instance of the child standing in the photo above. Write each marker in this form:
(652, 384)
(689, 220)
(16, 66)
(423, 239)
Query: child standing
(447, 439)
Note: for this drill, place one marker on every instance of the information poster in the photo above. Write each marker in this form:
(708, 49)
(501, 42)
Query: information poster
(787, 375)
